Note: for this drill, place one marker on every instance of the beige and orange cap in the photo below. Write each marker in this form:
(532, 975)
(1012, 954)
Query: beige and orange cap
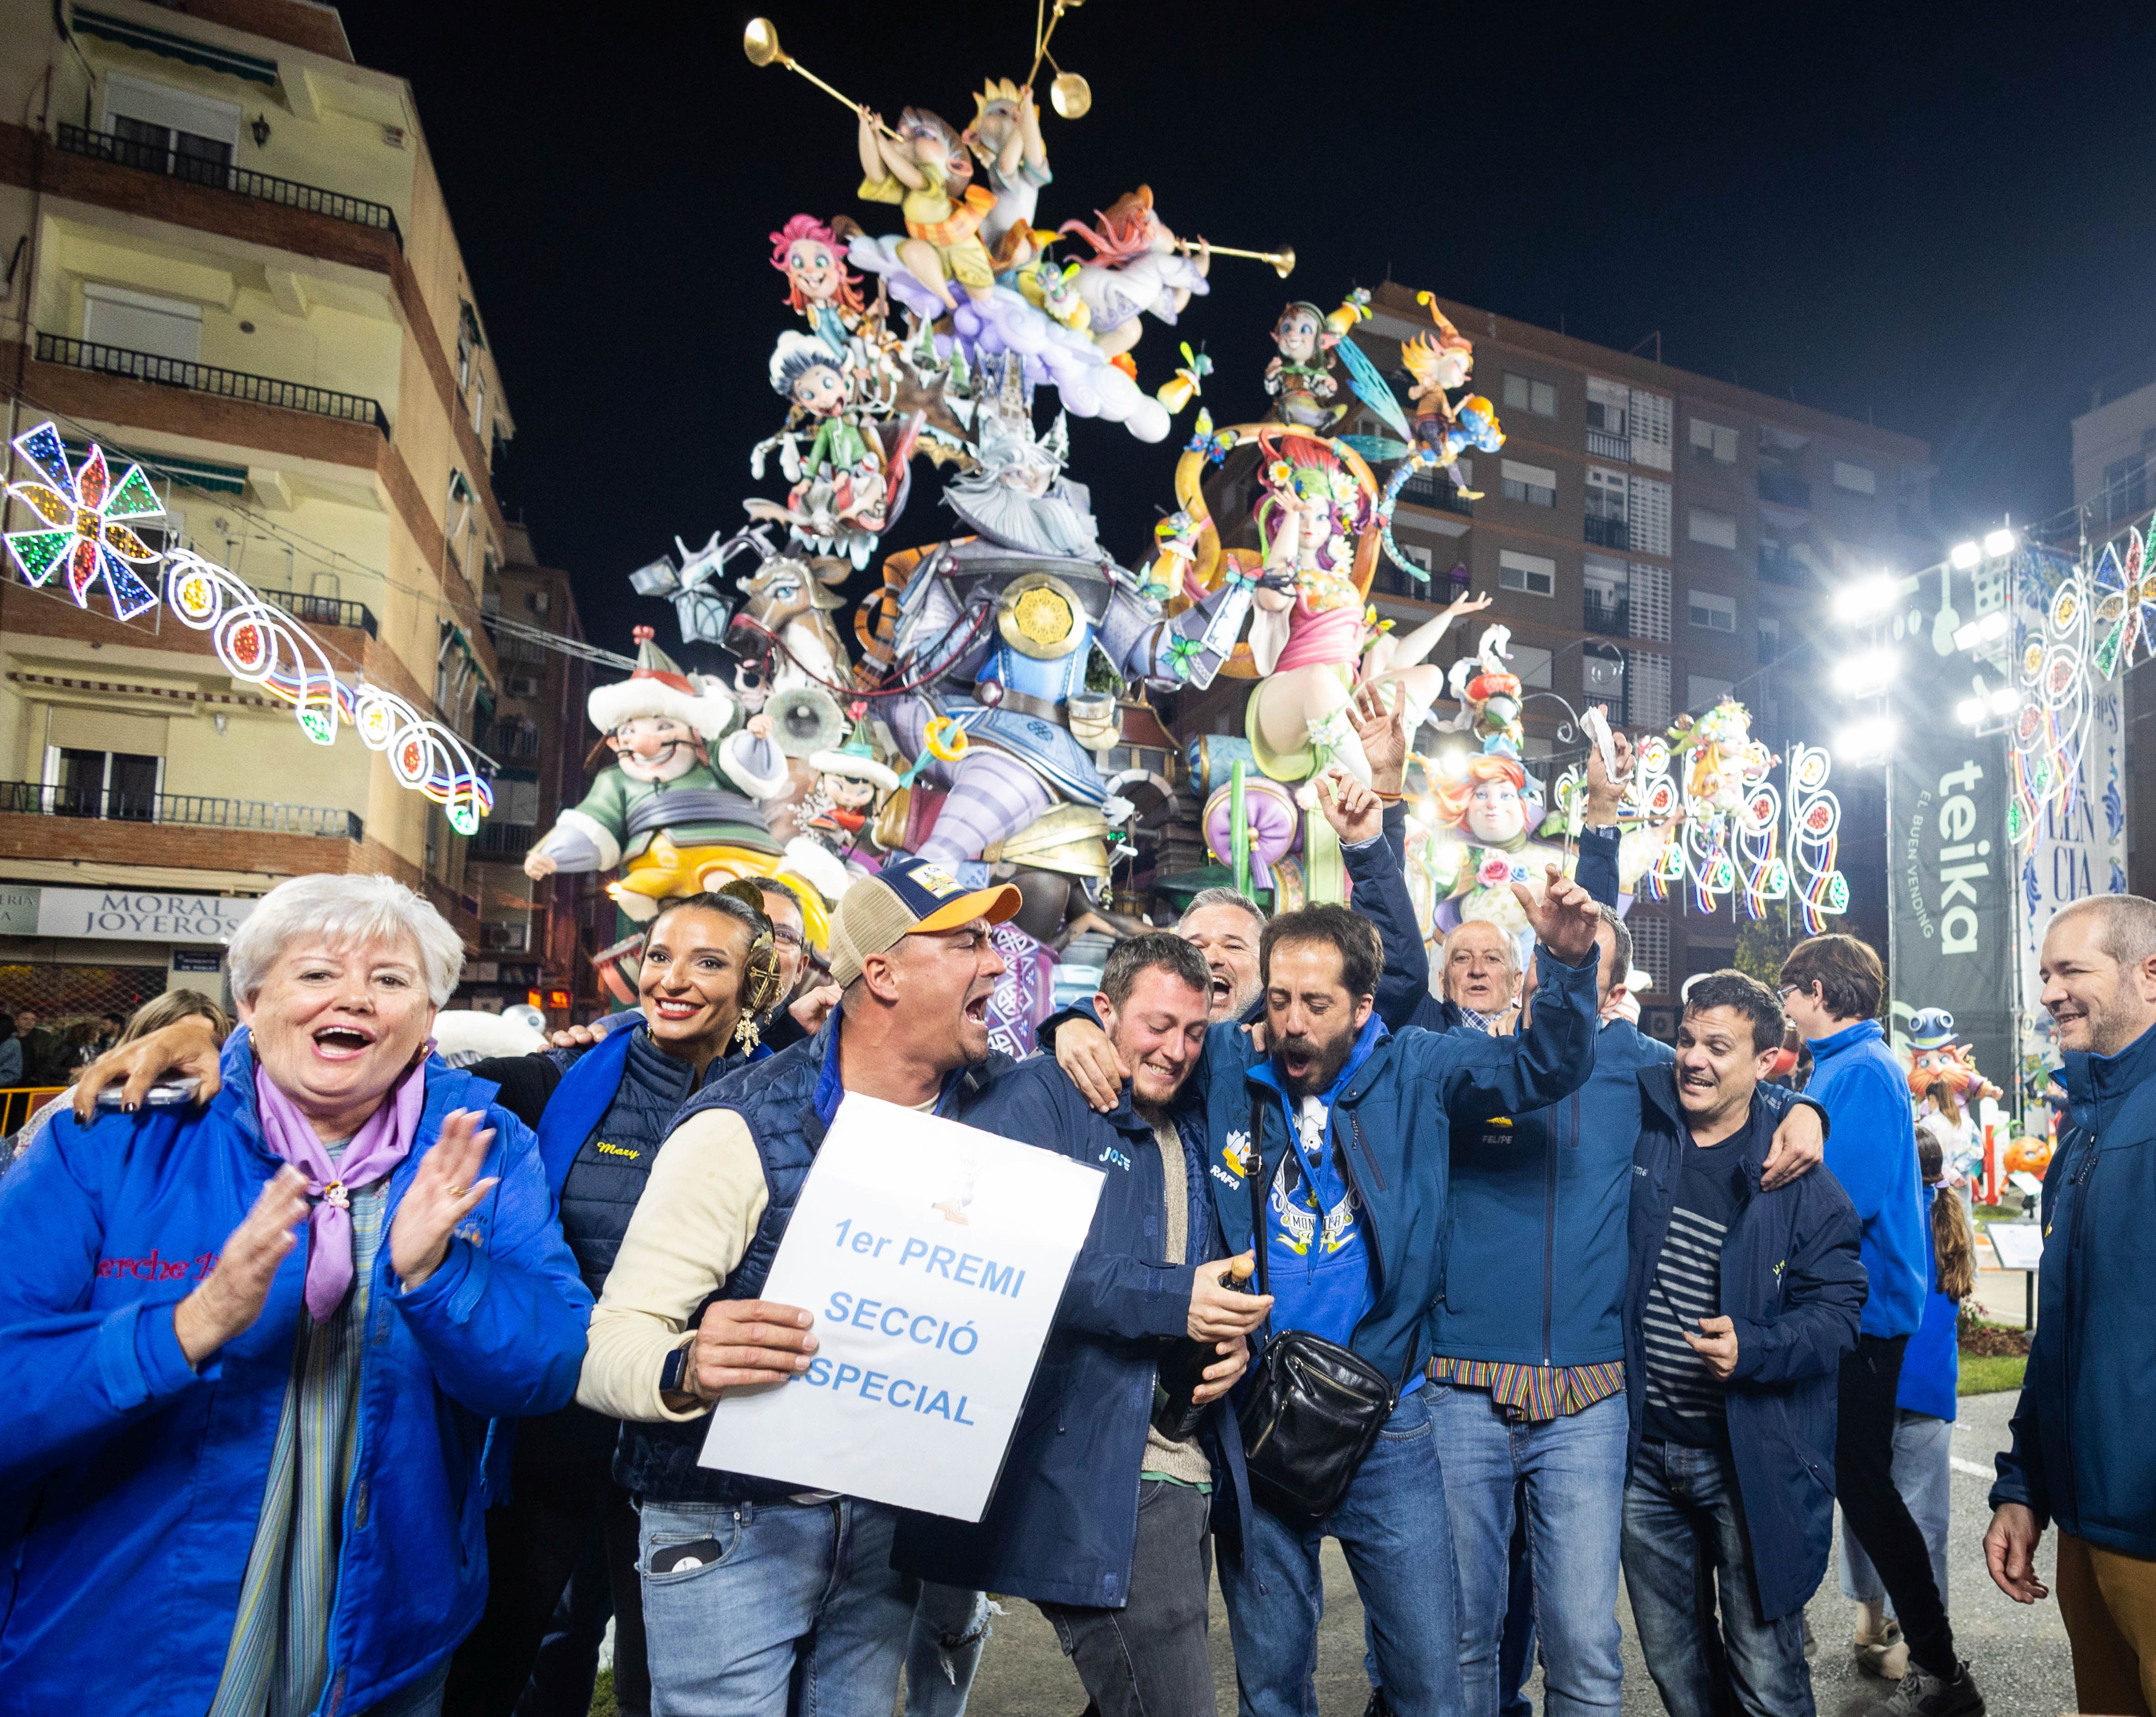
(911, 897)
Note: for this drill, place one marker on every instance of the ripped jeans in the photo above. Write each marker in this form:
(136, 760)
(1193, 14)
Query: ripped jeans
(950, 1627)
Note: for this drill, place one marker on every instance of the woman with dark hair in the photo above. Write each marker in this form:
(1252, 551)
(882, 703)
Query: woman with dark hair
(601, 1110)
(11, 1053)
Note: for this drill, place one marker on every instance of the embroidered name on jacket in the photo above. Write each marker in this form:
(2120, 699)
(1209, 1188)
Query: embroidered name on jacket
(156, 1267)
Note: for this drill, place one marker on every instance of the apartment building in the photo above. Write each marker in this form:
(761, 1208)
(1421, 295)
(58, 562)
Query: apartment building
(1658, 540)
(534, 936)
(228, 258)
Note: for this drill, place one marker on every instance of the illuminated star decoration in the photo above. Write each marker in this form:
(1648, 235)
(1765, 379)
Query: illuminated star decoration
(84, 507)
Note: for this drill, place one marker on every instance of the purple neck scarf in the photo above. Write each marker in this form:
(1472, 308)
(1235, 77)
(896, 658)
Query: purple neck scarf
(379, 1146)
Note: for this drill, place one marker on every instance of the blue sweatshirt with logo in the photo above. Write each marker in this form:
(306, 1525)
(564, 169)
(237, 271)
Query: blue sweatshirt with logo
(1871, 1150)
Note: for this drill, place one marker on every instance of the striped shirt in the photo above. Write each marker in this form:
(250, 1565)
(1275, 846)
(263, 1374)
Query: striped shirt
(1533, 1392)
(279, 1657)
(1684, 1397)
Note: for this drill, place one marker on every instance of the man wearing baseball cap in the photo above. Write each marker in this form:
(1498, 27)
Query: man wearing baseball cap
(750, 1582)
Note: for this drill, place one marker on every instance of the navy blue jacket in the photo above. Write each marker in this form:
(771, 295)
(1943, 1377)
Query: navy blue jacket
(1791, 1287)
(1063, 1523)
(130, 1482)
(2084, 1454)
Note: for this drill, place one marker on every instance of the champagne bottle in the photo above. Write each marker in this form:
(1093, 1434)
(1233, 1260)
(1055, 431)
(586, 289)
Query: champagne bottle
(1182, 1369)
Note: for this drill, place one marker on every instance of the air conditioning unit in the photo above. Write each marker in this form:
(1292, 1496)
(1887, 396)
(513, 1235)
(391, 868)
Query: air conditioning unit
(519, 685)
(506, 938)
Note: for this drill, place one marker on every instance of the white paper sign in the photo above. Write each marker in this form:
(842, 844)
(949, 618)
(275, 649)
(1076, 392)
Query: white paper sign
(932, 1256)
(2019, 1245)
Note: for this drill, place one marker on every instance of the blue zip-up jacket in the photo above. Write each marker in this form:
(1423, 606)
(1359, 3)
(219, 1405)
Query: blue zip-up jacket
(1391, 1130)
(1792, 1285)
(1063, 1523)
(1873, 1153)
(130, 1484)
(2083, 1454)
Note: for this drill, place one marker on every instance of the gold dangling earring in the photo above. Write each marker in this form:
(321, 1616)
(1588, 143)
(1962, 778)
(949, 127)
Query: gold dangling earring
(746, 1032)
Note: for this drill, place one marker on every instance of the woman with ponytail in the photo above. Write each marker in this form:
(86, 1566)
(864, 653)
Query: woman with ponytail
(1931, 1372)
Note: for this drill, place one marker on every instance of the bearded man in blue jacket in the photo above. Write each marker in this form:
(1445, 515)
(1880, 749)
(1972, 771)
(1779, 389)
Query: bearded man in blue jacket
(2083, 1455)
(1348, 1130)
(241, 1472)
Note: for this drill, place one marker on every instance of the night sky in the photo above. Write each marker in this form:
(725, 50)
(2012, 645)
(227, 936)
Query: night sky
(1946, 221)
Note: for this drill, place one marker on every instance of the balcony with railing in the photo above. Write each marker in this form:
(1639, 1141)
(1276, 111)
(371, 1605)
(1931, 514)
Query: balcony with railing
(503, 840)
(1784, 487)
(169, 163)
(1603, 445)
(1610, 615)
(323, 611)
(178, 810)
(508, 740)
(1434, 489)
(1609, 533)
(209, 378)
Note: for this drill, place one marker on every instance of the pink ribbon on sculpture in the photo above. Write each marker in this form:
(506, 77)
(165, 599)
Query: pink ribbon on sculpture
(1274, 820)
(379, 1146)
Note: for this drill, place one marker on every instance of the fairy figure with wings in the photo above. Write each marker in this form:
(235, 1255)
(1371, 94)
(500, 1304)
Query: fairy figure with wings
(1442, 428)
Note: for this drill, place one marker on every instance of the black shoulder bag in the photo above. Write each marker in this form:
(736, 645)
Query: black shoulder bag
(1311, 1409)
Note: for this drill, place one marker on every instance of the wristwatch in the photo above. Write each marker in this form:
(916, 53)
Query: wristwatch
(671, 1373)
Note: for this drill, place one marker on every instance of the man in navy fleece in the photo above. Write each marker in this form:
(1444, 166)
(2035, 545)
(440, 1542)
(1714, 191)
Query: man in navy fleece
(1831, 987)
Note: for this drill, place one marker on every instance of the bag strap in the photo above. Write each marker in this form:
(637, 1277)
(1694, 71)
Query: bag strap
(1254, 1178)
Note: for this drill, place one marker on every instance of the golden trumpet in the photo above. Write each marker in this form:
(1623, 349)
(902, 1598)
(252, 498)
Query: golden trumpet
(1283, 260)
(1069, 94)
(760, 42)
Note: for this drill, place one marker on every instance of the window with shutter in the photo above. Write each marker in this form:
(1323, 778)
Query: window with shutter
(1651, 515)
(1646, 688)
(1713, 441)
(1650, 950)
(1533, 575)
(1535, 484)
(1712, 526)
(1650, 603)
(1523, 393)
(1652, 416)
(1703, 691)
(1533, 665)
(1857, 479)
(1712, 611)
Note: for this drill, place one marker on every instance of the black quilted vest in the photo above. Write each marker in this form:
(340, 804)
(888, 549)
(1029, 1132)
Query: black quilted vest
(608, 1175)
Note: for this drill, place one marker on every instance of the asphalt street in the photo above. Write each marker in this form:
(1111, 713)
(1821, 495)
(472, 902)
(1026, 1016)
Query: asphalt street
(2018, 1655)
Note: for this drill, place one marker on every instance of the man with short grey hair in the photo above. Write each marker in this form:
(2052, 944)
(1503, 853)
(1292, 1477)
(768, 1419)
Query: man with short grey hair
(2083, 1458)
(1224, 924)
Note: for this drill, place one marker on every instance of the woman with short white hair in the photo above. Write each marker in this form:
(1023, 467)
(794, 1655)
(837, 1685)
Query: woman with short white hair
(253, 1349)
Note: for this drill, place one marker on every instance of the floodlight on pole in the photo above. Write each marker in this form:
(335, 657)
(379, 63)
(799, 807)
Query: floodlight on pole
(1965, 555)
(1866, 675)
(1866, 598)
(1867, 742)
(1970, 712)
(1989, 629)
(1999, 544)
(2005, 702)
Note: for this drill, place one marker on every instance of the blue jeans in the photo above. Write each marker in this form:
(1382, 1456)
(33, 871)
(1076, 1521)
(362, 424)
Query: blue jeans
(1393, 1526)
(796, 1610)
(1684, 1525)
(950, 1627)
(1573, 1471)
